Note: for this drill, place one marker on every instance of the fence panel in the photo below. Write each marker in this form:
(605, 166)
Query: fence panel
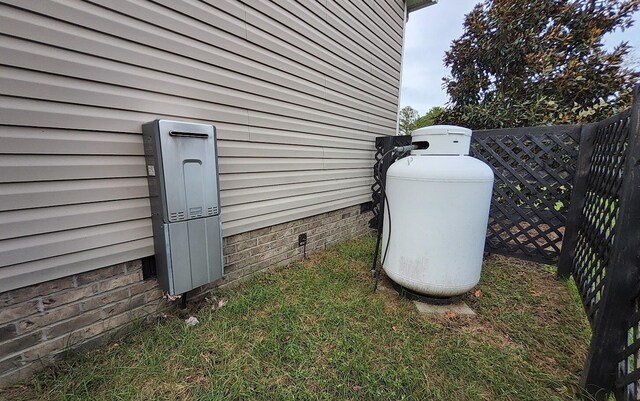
(534, 169)
(602, 251)
(599, 206)
(624, 296)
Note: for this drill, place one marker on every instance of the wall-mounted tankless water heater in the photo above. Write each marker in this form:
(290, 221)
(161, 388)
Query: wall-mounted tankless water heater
(182, 171)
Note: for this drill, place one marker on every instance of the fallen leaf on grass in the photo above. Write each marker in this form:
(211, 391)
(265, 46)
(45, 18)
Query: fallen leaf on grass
(477, 293)
(218, 303)
(191, 321)
(357, 388)
(394, 328)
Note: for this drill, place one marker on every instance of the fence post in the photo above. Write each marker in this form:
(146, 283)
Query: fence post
(578, 195)
(610, 330)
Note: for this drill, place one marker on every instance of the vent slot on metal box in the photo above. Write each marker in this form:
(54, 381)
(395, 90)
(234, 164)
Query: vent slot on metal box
(177, 216)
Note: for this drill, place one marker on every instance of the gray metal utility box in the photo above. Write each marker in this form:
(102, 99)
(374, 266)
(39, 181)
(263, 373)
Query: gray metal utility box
(182, 170)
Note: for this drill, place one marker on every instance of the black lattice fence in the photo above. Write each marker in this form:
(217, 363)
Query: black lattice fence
(604, 152)
(602, 251)
(534, 169)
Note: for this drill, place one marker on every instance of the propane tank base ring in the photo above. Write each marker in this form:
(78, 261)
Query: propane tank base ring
(414, 296)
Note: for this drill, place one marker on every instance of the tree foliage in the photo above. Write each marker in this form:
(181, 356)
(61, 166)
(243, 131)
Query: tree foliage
(429, 118)
(533, 62)
(408, 116)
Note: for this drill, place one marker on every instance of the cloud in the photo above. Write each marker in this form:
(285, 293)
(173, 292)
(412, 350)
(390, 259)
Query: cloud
(429, 33)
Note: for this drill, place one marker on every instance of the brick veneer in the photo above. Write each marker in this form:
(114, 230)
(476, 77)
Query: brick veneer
(39, 323)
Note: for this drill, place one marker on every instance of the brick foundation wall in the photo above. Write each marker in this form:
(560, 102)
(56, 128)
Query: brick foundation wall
(39, 323)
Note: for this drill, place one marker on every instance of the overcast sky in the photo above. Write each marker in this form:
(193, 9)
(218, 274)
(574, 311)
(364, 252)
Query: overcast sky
(429, 33)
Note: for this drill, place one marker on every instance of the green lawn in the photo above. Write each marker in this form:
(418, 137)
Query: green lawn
(314, 330)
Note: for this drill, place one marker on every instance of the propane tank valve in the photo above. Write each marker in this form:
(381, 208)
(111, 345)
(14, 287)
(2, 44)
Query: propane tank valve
(403, 149)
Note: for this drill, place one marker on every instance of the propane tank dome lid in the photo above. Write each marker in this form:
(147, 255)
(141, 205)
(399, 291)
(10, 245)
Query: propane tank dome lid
(422, 134)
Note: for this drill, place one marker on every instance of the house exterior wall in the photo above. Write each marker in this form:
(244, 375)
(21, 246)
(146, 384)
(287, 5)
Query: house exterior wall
(297, 91)
(39, 323)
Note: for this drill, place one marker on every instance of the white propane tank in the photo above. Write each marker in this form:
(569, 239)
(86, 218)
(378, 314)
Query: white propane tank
(439, 200)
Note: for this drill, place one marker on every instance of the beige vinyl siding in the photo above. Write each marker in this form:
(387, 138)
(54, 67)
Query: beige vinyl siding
(298, 91)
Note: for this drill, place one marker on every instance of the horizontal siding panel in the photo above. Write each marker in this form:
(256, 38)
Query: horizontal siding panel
(377, 19)
(314, 14)
(29, 195)
(260, 164)
(120, 24)
(256, 222)
(22, 168)
(349, 36)
(233, 8)
(230, 20)
(256, 164)
(21, 83)
(26, 195)
(26, 54)
(264, 142)
(24, 249)
(258, 36)
(25, 274)
(394, 14)
(20, 223)
(368, 23)
(110, 72)
(331, 164)
(277, 22)
(204, 61)
(261, 179)
(286, 123)
(395, 5)
(268, 135)
(305, 33)
(281, 27)
(117, 19)
(40, 113)
(47, 168)
(170, 52)
(247, 195)
(28, 140)
(385, 44)
(42, 86)
(250, 149)
(245, 210)
(54, 141)
(331, 153)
